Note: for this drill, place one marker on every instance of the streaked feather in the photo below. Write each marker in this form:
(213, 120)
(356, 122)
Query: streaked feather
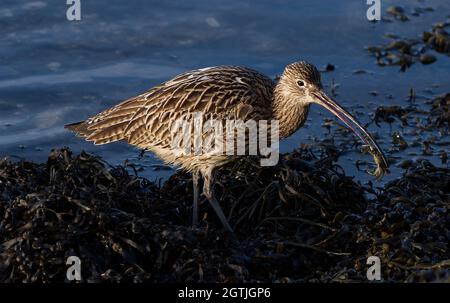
(223, 92)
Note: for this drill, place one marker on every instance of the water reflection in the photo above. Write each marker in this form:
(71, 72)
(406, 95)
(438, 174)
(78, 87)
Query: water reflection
(54, 72)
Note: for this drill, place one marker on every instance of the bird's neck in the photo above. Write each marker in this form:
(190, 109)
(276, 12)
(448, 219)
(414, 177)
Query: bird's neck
(291, 114)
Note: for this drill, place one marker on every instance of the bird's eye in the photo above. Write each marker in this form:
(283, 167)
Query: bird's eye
(301, 83)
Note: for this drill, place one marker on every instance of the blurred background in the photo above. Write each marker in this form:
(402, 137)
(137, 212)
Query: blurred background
(54, 72)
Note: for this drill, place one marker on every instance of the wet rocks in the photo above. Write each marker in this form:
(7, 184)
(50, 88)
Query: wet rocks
(427, 59)
(438, 38)
(397, 12)
(406, 52)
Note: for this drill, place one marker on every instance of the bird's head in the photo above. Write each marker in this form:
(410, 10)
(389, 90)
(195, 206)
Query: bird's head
(298, 81)
(300, 84)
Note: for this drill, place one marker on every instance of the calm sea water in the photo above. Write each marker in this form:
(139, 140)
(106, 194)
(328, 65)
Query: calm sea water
(54, 72)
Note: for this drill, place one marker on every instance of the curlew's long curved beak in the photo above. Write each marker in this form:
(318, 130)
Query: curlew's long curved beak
(322, 99)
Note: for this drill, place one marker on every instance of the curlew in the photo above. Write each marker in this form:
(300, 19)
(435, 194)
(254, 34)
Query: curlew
(221, 93)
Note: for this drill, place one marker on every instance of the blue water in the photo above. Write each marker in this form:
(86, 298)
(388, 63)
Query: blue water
(54, 72)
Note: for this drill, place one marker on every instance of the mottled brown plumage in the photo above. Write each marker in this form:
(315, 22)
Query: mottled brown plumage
(223, 92)
(220, 93)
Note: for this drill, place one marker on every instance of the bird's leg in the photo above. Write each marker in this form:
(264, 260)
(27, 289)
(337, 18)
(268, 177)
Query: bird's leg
(195, 179)
(208, 191)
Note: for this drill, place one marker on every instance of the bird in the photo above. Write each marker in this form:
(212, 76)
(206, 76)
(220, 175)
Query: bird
(223, 93)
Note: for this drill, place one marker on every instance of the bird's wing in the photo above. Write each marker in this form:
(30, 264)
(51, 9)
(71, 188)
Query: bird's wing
(224, 92)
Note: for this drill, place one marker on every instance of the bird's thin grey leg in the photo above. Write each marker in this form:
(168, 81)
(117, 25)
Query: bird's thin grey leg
(208, 191)
(195, 180)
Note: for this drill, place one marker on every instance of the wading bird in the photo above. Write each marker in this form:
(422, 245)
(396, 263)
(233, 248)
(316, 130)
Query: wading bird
(221, 92)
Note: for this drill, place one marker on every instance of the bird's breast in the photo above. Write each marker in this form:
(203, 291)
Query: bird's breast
(291, 118)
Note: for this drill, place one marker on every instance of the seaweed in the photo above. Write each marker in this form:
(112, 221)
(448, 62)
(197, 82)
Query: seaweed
(303, 220)
(405, 52)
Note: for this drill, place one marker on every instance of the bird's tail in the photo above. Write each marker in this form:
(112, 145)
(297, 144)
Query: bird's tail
(100, 132)
(79, 128)
(109, 125)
